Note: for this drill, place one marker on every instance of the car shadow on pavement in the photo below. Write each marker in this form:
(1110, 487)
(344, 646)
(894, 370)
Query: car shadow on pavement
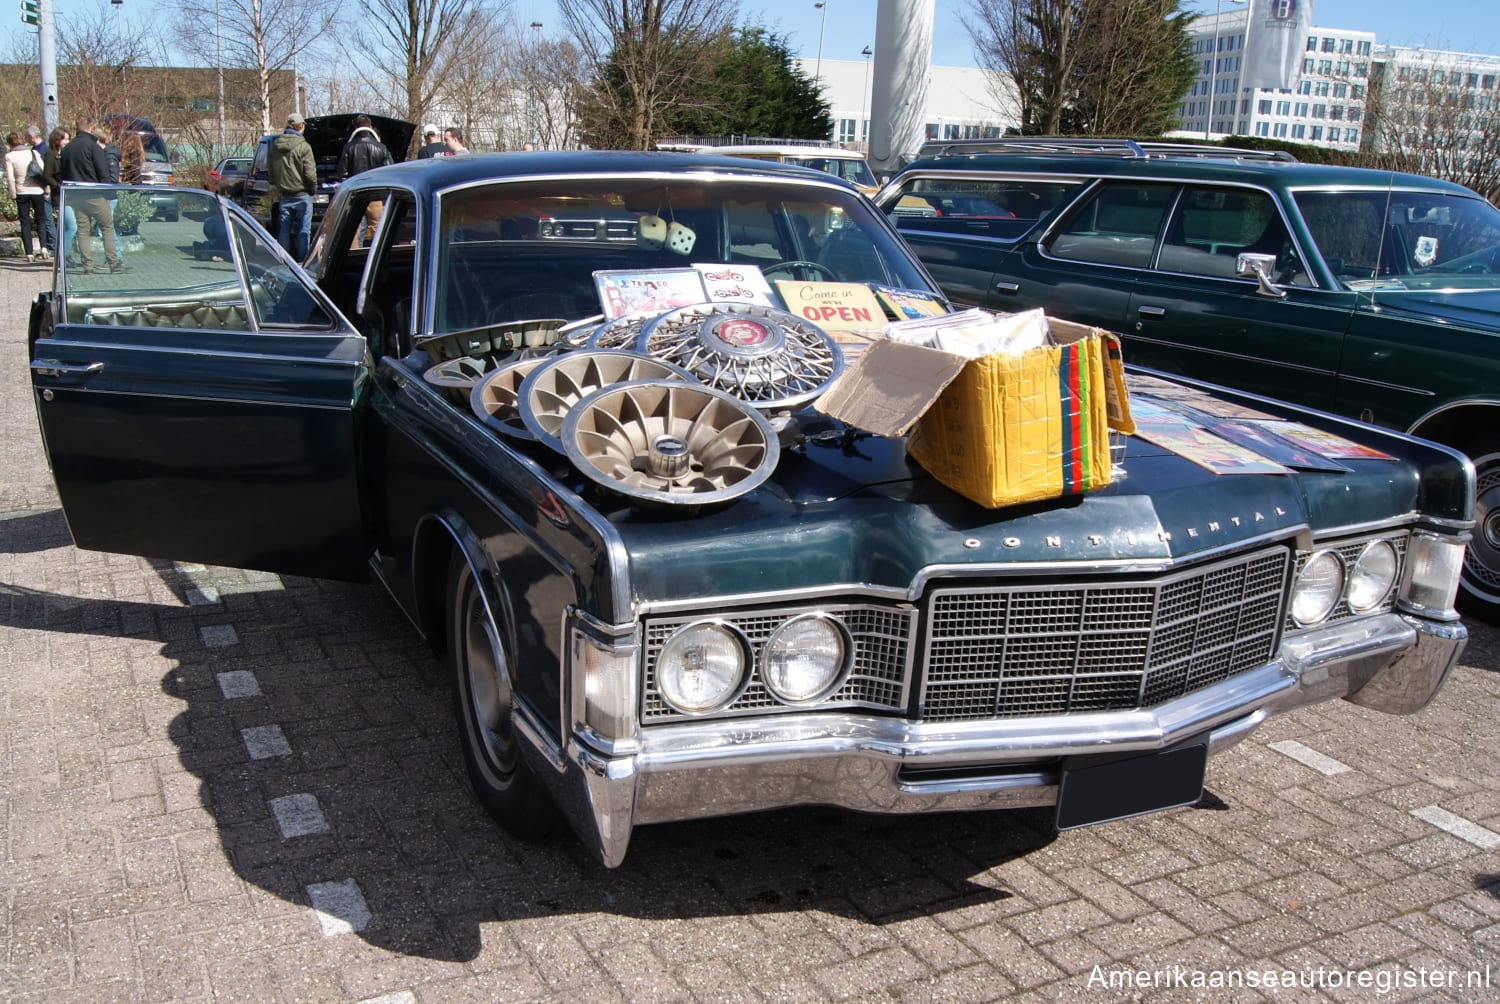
(367, 739)
(34, 531)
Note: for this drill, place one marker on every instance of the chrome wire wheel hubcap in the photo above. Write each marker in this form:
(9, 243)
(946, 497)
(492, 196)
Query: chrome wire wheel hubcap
(489, 692)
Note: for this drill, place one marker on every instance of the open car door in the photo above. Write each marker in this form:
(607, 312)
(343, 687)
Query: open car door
(197, 401)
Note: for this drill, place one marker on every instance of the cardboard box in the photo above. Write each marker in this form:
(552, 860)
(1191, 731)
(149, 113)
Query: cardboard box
(1000, 429)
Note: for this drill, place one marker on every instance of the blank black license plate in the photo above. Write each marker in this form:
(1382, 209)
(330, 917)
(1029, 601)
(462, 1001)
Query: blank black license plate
(1094, 790)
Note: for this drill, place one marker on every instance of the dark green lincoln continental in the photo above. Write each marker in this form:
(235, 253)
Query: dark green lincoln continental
(667, 586)
(1372, 294)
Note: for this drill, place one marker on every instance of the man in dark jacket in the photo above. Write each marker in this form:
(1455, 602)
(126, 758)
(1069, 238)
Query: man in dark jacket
(292, 170)
(84, 161)
(363, 151)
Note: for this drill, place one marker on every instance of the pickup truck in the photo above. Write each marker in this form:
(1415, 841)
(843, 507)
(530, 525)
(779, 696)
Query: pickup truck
(666, 586)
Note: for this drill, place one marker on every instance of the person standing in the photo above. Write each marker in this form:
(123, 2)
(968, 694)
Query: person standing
(36, 142)
(453, 138)
(84, 162)
(23, 177)
(432, 145)
(51, 165)
(293, 172)
(112, 156)
(363, 151)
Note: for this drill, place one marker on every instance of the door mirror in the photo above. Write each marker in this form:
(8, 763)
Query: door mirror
(1258, 267)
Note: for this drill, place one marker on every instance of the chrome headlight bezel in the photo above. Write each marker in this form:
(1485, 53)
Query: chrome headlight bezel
(1329, 590)
(837, 671)
(669, 681)
(1372, 576)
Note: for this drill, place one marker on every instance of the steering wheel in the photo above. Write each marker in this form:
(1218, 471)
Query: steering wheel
(818, 268)
(271, 281)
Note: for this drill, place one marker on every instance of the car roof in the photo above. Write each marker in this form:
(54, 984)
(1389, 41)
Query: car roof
(437, 173)
(1228, 166)
(768, 149)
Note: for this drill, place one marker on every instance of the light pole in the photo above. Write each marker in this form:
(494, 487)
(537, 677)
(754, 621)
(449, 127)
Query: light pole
(1213, 66)
(120, 40)
(536, 34)
(864, 102)
(818, 74)
(219, 66)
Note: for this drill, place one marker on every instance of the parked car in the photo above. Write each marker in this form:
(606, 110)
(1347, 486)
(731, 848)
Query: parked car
(847, 164)
(666, 586)
(326, 134)
(156, 169)
(1371, 294)
(227, 177)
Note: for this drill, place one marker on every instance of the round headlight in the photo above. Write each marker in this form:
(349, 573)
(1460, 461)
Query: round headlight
(805, 659)
(1373, 575)
(701, 668)
(1318, 588)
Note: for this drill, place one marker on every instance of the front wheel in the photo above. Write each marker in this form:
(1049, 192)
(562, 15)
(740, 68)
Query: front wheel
(485, 705)
(1479, 593)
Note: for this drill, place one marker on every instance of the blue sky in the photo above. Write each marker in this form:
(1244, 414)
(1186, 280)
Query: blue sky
(1465, 25)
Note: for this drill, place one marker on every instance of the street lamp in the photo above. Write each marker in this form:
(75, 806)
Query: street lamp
(818, 75)
(536, 29)
(1213, 66)
(864, 101)
(120, 40)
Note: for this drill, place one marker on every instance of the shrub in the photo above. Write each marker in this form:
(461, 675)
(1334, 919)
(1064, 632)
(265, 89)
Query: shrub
(131, 211)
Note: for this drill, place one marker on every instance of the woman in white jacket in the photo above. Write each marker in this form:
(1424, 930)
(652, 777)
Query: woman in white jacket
(23, 176)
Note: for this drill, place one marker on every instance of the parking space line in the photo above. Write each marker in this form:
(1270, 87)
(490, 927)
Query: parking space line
(1460, 827)
(1309, 757)
(265, 741)
(298, 815)
(340, 906)
(238, 683)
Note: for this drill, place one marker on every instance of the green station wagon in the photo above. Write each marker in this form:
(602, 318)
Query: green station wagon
(1371, 294)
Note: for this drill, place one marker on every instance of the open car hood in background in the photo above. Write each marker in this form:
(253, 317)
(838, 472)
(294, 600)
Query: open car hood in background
(327, 135)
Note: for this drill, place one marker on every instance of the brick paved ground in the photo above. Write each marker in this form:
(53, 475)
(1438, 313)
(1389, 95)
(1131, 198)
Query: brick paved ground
(218, 785)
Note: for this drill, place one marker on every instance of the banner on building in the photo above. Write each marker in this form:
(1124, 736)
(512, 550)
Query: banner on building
(1275, 43)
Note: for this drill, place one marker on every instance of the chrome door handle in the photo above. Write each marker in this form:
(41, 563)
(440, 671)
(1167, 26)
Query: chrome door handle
(1155, 313)
(51, 367)
(1009, 288)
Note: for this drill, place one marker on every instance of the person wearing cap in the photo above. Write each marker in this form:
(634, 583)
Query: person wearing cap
(293, 172)
(432, 143)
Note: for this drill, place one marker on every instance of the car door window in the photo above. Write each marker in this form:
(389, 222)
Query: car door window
(1117, 225)
(988, 207)
(1212, 227)
(277, 295)
(166, 273)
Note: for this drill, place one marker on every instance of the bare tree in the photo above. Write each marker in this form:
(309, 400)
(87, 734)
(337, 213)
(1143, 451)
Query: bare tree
(478, 93)
(263, 35)
(1425, 115)
(99, 54)
(645, 59)
(1097, 67)
(412, 47)
(555, 78)
(1031, 42)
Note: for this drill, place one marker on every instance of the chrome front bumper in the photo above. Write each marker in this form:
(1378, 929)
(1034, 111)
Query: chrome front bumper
(868, 763)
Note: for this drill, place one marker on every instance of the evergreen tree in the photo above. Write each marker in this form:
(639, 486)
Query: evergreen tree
(757, 91)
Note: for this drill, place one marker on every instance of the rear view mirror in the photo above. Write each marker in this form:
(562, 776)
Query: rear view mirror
(1259, 266)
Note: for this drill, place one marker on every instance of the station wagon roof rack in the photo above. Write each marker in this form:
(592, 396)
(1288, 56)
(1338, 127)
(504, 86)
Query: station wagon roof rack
(1097, 147)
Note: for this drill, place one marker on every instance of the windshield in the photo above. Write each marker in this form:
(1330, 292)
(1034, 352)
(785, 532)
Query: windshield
(531, 249)
(1405, 240)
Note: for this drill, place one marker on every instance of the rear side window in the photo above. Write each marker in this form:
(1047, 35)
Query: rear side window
(1117, 225)
(1212, 227)
(980, 206)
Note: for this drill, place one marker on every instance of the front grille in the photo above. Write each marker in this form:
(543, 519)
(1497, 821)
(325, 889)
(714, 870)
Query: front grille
(1007, 651)
(877, 677)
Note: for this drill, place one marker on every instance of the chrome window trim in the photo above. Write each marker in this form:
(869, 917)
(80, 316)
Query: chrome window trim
(1183, 185)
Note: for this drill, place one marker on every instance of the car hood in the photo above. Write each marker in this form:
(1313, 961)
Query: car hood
(1474, 308)
(327, 134)
(855, 508)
